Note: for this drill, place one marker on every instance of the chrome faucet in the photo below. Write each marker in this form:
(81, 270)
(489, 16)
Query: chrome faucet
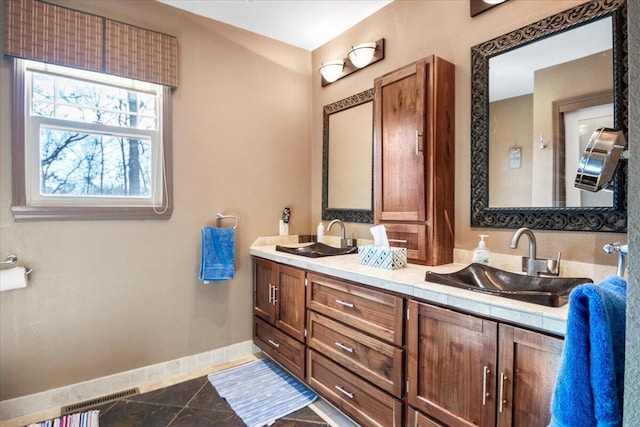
(344, 242)
(532, 265)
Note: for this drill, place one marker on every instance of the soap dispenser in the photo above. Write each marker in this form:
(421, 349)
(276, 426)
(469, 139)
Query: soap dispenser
(481, 254)
(320, 232)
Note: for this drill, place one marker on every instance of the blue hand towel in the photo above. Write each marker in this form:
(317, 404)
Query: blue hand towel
(218, 254)
(589, 386)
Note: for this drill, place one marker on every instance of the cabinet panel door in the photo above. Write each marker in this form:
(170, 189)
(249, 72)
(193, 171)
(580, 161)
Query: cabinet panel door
(451, 359)
(290, 296)
(264, 274)
(399, 159)
(528, 365)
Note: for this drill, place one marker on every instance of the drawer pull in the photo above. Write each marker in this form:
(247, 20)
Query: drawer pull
(273, 343)
(484, 385)
(503, 378)
(346, 304)
(345, 392)
(398, 241)
(344, 347)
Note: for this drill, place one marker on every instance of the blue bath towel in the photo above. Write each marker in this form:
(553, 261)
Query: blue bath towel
(590, 382)
(218, 254)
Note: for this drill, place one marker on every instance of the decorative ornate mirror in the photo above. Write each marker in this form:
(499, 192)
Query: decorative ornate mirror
(347, 159)
(519, 140)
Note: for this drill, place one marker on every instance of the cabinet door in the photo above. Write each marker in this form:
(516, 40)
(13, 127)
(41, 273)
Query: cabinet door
(290, 301)
(399, 133)
(528, 365)
(451, 359)
(264, 275)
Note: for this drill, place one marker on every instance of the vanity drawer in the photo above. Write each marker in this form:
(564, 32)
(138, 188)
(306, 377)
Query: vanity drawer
(366, 404)
(372, 359)
(376, 313)
(410, 236)
(287, 351)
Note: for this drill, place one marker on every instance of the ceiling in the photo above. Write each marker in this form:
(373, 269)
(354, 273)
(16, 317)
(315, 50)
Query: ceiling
(307, 24)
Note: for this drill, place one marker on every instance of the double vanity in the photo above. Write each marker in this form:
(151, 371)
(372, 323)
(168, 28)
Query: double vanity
(441, 343)
(394, 348)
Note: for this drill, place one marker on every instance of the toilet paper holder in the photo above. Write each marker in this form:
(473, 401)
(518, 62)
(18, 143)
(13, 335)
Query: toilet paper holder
(12, 260)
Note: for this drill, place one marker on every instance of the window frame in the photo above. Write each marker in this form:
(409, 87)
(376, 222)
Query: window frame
(23, 211)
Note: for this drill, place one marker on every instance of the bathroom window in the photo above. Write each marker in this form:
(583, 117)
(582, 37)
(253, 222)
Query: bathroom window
(93, 145)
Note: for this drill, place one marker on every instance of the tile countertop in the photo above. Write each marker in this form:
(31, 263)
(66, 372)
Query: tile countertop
(411, 282)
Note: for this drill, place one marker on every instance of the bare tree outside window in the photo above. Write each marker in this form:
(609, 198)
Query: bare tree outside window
(80, 160)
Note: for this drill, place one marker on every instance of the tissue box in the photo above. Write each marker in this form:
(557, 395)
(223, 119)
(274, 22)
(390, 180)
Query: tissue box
(380, 257)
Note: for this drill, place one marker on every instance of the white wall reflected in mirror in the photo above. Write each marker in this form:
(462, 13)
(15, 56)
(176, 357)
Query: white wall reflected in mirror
(350, 157)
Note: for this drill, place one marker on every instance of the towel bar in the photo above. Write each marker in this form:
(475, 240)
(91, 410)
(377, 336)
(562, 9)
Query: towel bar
(220, 217)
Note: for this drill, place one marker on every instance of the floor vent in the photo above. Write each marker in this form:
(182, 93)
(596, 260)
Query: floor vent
(87, 404)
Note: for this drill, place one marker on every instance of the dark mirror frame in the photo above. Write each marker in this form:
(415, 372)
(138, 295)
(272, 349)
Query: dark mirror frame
(345, 215)
(607, 219)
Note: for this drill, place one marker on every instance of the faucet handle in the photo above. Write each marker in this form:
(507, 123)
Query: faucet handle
(553, 266)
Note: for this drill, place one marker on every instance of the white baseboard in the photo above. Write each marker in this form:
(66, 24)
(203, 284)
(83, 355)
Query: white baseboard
(47, 404)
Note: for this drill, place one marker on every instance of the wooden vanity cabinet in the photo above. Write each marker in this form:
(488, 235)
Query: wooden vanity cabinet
(355, 356)
(279, 313)
(457, 376)
(414, 158)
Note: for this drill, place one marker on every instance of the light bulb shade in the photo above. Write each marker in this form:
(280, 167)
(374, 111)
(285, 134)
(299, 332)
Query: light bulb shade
(493, 1)
(332, 70)
(361, 55)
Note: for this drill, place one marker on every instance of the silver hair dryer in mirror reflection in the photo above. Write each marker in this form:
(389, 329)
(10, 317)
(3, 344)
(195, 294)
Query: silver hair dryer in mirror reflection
(600, 159)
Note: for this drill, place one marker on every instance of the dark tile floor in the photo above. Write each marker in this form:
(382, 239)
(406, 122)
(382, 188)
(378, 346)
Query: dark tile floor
(193, 403)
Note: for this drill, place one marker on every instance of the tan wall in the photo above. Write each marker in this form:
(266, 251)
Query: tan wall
(554, 84)
(106, 297)
(413, 30)
(510, 187)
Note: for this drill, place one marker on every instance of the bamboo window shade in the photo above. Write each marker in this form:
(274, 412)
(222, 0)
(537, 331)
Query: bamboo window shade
(58, 35)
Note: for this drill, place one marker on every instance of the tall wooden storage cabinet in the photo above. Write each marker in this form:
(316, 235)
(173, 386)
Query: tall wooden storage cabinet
(414, 159)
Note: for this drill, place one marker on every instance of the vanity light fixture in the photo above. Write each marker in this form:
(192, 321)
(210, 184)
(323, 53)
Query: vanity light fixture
(358, 57)
(493, 1)
(332, 70)
(362, 54)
